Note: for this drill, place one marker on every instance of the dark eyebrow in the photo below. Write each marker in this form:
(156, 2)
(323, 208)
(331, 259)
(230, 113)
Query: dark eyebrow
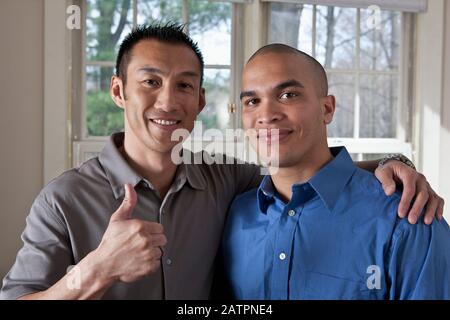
(246, 94)
(188, 73)
(289, 83)
(151, 70)
(281, 86)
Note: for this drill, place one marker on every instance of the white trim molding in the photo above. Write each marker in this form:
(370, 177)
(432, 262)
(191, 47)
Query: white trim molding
(57, 86)
(429, 67)
(397, 5)
(373, 145)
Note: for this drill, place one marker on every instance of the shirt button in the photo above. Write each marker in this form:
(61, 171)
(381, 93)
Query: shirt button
(291, 213)
(282, 256)
(169, 262)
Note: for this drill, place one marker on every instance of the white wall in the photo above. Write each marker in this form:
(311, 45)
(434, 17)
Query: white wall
(444, 166)
(21, 121)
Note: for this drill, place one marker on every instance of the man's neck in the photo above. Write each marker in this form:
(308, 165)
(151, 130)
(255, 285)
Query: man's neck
(302, 171)
(156, 167)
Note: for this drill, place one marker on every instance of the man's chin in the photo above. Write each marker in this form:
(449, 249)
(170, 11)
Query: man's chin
(162, 146)
(280, 160)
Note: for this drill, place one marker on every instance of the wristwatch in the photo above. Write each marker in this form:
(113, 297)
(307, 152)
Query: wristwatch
(398, 157)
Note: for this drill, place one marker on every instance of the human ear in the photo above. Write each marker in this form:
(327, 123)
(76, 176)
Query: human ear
(116, 91)
(329, 106)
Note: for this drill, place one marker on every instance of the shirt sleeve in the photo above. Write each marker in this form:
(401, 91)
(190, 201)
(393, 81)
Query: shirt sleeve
(44, 257)
(419, 265)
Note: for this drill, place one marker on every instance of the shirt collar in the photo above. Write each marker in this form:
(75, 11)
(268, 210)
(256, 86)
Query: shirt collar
(194, 176)
(265, 194)
(119, 172)
(328, 182)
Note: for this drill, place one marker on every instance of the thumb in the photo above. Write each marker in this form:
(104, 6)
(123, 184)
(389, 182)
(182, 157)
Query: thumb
(127, 206)
(386, 177)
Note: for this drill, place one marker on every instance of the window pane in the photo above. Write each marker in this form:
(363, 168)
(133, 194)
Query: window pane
(367, 156)
(380, 42)
(378, 94)
(336, 37)
(210, 27)
(107, 22)
(103, 116)
(160, 10)
(217, 86)
(291, 24)
(342, 86)
(373, 156)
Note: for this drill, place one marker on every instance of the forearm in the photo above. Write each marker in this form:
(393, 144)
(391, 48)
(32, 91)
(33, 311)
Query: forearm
(85, 281)
(368, 165)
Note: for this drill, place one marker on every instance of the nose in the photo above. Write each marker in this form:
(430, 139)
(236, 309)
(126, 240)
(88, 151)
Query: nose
(166, 99)
(269, 113)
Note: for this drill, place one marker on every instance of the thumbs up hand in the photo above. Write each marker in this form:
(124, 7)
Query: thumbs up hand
(126, 208)
(130, 248)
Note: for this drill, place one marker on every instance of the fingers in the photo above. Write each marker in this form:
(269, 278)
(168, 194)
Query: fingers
(154, 227)
(158, 240)
(432, 207)
(156, 233)
(435, 207)
(440, 209)
(409, 191)
(156, 253)
(421, 199)
(126, 208)
(386, 176)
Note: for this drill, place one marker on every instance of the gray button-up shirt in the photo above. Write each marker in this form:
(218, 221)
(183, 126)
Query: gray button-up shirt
(70, 215)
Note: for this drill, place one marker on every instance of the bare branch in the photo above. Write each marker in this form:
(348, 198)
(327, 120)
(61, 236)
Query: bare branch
(123, 20)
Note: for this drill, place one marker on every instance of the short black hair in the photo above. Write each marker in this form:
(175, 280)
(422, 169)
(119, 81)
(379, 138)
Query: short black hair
(283, 48)
(170, 32)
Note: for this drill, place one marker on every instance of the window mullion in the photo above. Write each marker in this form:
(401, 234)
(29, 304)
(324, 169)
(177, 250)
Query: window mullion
(135, 12)
(185, 16)
(314, 30)
(217, 66)
(100, 63)
(357, 80)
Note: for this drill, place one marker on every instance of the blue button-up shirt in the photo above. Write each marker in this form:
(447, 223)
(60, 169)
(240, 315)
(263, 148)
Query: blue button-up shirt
(337, 238)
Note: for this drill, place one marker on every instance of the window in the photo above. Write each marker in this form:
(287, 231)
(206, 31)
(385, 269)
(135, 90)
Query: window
(364, 64)
(368, 63)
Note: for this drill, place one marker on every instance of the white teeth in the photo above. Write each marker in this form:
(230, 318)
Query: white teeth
(164, 122)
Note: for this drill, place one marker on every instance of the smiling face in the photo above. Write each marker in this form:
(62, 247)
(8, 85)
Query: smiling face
(162, 93)
(281, 91)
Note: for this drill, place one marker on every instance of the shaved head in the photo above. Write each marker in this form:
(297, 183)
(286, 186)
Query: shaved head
(319, 72)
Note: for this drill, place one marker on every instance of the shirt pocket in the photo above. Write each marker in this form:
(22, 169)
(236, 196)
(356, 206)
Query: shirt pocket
(320, 286)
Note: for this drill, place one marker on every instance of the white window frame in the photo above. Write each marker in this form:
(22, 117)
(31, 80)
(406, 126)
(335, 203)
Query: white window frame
(62, 85)
(429, 68)
(57, 90)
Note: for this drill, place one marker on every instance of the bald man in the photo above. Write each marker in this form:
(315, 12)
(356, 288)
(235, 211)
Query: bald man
(319, 227)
